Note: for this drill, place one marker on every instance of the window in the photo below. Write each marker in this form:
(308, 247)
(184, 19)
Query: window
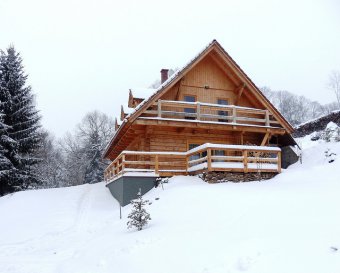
(222, 113)
(189, 110)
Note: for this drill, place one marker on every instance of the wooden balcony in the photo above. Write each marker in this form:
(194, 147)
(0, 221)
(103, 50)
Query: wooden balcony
(209, 113)
(206, 157)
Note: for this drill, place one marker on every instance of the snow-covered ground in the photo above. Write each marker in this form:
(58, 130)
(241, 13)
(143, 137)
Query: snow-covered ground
(287, 224)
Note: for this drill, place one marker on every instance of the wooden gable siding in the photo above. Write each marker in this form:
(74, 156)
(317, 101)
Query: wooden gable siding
(208, 82)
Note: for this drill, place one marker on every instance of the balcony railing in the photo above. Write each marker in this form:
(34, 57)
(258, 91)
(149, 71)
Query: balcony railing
(206, 112)
(206, 157)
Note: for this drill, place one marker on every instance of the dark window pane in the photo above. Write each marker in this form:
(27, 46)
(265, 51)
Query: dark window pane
(189, 110)
(222, 113)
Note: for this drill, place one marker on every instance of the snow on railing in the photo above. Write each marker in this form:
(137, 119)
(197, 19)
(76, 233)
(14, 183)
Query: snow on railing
(206, 157)
(208, 112)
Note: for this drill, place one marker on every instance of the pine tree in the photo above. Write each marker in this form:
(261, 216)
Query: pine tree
(139, 217)
(21, 118)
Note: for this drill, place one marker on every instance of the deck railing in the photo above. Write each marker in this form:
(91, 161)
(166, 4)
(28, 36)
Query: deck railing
(206, 157)
(206, 112)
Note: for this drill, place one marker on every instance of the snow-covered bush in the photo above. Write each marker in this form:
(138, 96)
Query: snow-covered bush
(331, 133)
(139, 217)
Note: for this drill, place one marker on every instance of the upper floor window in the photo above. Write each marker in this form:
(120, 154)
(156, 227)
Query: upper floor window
(189, 98)
(222, 113)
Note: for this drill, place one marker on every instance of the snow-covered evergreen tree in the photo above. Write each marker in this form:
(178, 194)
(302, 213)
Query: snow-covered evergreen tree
(20, 117)
(139, 217)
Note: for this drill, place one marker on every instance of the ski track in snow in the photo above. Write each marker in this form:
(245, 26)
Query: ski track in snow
(59, 244)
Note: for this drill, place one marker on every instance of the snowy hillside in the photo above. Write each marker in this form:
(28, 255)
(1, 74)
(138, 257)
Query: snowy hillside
(287, 224)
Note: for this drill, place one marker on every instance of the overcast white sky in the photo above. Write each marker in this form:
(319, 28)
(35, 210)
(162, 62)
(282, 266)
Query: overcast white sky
(83, 55)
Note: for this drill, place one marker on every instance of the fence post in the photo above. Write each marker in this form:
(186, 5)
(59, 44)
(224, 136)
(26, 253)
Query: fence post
(234, 114)
(209, 159)
(159, 108)
(198, 111)
(117, 166)
(123, 163)
(245, 161)
(267, 118)
(187, 163)
(279, 162)
(156, 164)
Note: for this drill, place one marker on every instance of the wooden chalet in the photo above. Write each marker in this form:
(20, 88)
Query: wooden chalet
(208, 116)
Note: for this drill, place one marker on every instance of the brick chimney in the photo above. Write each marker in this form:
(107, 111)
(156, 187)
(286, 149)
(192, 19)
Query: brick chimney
(164, 75)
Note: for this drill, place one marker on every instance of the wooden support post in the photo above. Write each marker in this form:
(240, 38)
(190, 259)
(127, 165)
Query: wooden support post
(242, 133)
(209, 159)
(240, 91)
(156, 164)
(159, 108)
(245, 161)
(123, 163)
(264, 140)
(267, 118)
(279, 162)
(234, 115)
(187, 163)
(198, 111)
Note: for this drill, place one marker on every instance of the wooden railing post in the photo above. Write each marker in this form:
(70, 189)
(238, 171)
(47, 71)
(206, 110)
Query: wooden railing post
(245, 160)
(156, 165)
(267, 118)
(123, 163)
(209, 159)
(159, 108)
(279, 162)
(234, 115)
(187, 163)
(198, 111)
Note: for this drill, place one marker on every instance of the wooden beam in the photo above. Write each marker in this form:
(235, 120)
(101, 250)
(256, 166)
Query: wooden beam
(209, 159)
(264, 140)
(156, 164)
(178, 89)
(279, 162)
(242, 133)
(239, 92)
(245, 161)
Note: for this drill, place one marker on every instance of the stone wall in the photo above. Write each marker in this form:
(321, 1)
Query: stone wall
(317, 125)
(221, 177)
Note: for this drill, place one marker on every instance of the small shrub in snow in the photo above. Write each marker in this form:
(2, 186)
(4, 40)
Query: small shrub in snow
(330, 156)
(139, 217)
(315, 136)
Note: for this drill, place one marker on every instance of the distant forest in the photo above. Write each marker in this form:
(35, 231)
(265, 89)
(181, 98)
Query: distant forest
(32, 158)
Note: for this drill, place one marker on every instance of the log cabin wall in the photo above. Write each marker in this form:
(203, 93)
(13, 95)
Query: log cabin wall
(170, 139)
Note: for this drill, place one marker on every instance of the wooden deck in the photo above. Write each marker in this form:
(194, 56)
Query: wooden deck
(206, 157)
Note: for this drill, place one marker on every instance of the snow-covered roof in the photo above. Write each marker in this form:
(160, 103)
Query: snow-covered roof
(142, 93)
